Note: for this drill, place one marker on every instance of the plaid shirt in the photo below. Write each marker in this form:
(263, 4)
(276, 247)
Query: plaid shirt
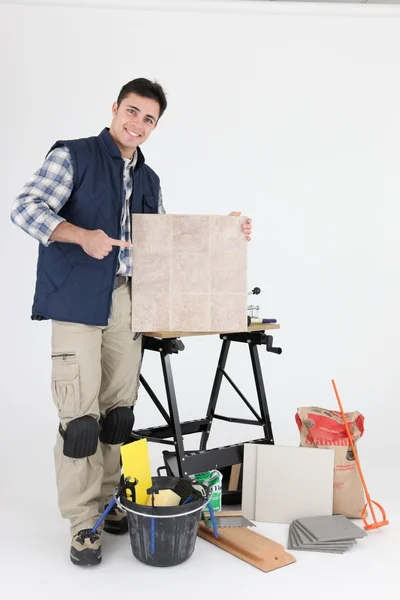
(36, 208)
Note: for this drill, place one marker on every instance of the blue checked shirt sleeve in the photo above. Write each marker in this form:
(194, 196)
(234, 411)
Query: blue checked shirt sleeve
(161, 209)
(35, 209)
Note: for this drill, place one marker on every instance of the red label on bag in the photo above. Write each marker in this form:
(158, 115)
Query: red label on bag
(327, 431)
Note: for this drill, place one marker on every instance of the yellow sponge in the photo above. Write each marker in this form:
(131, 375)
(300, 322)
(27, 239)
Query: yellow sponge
(164, 498)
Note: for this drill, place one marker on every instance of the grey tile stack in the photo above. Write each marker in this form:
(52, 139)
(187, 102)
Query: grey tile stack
(333, 533)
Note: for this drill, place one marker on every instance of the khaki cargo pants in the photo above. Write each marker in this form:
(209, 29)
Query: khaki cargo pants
(94, 369)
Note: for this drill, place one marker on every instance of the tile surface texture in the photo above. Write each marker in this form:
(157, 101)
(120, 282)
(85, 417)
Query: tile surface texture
(189, 273)
(284, 483)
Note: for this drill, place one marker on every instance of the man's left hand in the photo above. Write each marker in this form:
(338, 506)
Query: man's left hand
(246, 227)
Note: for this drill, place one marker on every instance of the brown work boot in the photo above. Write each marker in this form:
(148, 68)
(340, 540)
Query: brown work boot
(116, 521)
(86, 548)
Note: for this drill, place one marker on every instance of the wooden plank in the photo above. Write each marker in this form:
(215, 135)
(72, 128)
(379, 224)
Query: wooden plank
(249, 546)
(179, 334)
(234, 478)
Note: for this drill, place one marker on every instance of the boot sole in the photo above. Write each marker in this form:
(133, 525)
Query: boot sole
(86, 558)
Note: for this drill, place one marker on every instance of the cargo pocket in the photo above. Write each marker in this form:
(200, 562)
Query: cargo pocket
(65, 385)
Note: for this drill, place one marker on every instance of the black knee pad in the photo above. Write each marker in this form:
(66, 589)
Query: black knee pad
(80, 437)
(117, 425)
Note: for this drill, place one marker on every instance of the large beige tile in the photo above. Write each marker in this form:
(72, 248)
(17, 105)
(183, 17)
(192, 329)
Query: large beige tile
(150, 312)
(228, 312)
(227, 235)
(293, 482)
(228, 273)
(190, 273)
(151, 234)
(190, 312)
(151, 273)
(190, 234)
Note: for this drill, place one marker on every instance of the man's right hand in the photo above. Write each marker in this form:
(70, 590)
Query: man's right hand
(98, 245)
(95, 243)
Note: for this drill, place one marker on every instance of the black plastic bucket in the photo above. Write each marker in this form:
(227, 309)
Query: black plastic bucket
(163, 536)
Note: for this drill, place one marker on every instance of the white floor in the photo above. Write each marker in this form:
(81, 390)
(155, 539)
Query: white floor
(34, 560)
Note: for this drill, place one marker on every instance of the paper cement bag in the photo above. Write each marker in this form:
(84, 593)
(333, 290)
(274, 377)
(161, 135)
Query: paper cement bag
(321, 428)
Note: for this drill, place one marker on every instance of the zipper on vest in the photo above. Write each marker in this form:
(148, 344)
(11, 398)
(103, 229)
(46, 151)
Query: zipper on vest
(114, 274)
(64, 355)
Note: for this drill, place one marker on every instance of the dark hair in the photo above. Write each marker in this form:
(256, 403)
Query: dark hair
(147, 89)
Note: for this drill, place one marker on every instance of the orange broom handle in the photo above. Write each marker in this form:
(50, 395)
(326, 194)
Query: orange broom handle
(354, 451)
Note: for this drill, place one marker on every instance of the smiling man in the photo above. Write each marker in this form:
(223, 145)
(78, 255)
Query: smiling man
(78, 205)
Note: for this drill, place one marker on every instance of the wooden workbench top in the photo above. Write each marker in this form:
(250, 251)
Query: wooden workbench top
(179, 334)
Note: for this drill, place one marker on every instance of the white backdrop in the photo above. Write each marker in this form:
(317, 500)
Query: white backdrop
(289, 113)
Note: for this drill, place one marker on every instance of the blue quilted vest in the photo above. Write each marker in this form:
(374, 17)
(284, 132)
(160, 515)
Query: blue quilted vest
(71, 285)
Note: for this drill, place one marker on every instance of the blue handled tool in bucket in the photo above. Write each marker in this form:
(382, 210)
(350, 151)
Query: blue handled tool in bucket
(103, 516)
(212, 515)
(120, 489)
(213, 521)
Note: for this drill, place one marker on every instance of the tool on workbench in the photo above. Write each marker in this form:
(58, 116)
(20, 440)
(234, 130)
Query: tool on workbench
(252, 310)
(259, 321)
(370, 502)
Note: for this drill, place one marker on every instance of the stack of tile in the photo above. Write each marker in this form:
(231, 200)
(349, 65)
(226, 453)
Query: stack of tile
(333, 533)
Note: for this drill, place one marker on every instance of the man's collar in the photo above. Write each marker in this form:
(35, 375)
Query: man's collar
(113, 150)
(132, 162)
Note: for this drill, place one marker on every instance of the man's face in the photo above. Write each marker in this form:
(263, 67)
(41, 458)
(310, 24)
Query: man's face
(133, 121)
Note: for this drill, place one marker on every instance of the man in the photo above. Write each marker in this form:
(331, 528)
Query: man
(78, 205)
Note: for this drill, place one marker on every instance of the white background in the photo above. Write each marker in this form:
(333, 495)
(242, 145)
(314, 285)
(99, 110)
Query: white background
(289, 113)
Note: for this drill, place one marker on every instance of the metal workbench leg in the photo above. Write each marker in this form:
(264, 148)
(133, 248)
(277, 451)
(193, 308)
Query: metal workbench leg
(215, 392)
(173, 411)
(262, 398)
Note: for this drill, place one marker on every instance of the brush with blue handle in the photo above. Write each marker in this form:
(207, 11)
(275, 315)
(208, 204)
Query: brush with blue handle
(103, 516)
(212, 516)
(213, 521)
(113, 501)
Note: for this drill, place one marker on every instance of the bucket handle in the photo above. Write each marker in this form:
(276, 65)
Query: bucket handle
(135, 512)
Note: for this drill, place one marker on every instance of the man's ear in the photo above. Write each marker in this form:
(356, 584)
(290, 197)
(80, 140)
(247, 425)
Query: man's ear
(114, 109)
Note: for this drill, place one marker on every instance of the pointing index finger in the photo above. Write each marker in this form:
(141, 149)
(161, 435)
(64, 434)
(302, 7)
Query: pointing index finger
(120, 243)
